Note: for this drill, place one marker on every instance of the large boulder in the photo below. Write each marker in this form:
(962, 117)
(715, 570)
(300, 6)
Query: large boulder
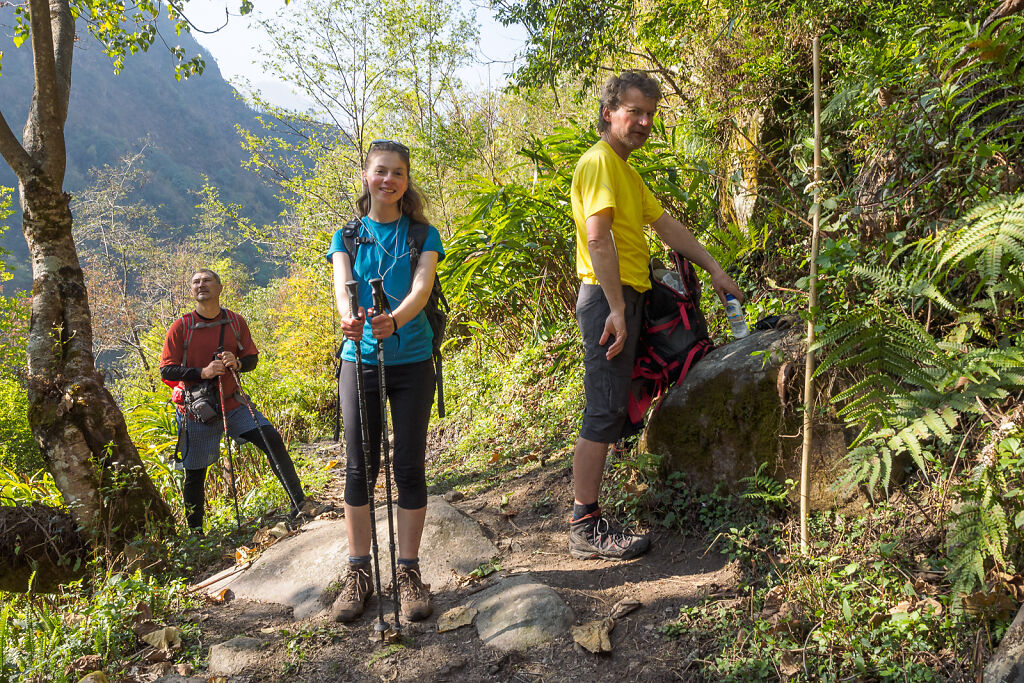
(739, 408)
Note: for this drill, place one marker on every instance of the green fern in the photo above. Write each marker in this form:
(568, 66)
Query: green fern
(763, 487)
(979, 532)
(992, 239)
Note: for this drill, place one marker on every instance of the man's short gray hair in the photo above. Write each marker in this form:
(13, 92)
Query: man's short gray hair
(207, 270)
(615, 86)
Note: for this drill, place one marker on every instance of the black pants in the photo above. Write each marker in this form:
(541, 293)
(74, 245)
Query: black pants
(410, 389)
(194, 488)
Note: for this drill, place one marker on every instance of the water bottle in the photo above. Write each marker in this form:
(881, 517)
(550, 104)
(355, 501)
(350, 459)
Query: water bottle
(737, 319)
(673, 280)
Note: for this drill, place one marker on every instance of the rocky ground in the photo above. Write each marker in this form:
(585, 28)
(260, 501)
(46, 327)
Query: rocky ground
(523, 524)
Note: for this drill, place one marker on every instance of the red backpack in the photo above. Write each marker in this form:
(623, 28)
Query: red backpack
(673, 336)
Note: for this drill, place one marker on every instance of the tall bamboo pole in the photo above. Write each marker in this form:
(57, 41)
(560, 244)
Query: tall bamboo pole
(812, 305)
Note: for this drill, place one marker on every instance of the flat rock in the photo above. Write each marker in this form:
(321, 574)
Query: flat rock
(234, 656)
(297, 570)
(519, 613)
(174, 677)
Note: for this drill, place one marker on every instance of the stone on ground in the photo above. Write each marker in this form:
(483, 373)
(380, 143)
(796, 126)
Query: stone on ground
(735, 411)
(297, 570)
(519, 613)
(234, 656)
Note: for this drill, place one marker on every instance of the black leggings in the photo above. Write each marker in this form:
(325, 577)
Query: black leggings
(194, 489)
(410, 389)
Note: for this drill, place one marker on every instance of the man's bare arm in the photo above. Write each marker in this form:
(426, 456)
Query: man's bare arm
(679, 238)
(605, 259)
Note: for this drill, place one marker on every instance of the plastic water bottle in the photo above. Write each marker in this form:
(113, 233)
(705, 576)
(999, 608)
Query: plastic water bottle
(673, 280)
(737, 319)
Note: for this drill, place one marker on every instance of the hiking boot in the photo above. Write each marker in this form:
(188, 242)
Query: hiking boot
(413, 594)
(356, 587)
(310, 510)
(594, 537)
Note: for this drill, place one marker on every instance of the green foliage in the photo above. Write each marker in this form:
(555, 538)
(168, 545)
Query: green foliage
(41, 636)
(507, 412)
(860, 607)
(979, 536)
(18, 449)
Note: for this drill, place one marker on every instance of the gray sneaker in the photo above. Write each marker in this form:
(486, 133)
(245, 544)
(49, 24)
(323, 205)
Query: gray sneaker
(356, 588)
(594, 537)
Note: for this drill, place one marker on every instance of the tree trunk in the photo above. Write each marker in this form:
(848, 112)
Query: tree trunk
(80, 429)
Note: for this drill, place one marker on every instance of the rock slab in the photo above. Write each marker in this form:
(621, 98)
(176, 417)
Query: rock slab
(519, 613)
(234, 656)
(736, 410)
(297, 570)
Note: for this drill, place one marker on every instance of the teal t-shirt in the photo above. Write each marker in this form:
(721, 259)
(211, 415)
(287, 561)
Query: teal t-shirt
(386, 256)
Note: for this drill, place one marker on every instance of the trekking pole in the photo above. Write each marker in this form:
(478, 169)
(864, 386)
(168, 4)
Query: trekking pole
(231, 463)
(381, 305)
(263, 433)
(381, 627)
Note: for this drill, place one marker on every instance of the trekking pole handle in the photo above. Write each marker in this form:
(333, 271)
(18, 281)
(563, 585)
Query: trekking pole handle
(353, 297)
(380, 300)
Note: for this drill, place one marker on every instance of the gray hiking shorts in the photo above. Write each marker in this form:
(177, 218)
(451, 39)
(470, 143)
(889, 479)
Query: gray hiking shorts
(606, 382)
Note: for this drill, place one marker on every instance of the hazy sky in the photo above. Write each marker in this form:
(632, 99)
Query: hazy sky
(235, 47)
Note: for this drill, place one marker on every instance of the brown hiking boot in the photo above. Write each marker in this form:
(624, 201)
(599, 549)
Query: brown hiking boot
(413, 594)
(356, 587)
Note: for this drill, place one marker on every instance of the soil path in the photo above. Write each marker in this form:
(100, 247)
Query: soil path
(529, 530)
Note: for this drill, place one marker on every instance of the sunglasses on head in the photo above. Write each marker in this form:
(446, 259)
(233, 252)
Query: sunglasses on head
(377, 143)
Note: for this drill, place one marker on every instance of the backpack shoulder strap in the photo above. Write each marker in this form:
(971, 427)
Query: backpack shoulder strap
(417, 238)
(348, 238)
(188, 322)
(235, 326)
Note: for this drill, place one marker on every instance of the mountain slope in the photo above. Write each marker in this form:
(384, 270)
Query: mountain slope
(190, 127)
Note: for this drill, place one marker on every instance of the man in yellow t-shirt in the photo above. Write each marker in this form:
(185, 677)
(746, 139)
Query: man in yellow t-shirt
(611, 205)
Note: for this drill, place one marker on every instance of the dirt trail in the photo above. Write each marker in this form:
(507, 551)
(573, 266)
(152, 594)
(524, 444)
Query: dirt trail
(530, 533)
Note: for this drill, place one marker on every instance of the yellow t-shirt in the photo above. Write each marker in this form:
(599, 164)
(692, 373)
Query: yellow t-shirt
(602, 180)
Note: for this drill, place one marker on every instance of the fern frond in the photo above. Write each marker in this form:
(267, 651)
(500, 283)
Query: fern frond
(992, 238)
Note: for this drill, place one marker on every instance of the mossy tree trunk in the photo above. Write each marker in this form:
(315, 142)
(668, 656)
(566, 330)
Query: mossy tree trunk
(79, 427)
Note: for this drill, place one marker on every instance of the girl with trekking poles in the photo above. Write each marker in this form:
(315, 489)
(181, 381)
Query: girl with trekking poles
(380, 254)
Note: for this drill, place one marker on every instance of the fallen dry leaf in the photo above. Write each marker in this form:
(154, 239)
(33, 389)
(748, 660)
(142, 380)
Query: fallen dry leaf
(142, 612)
(995, 602)
(773, 601)
(789, 664)
(789, 620)
(594, 636)
(156, 656)
(223, 596)
(87, 663)
(242, 554)
(167, 638)
(331, 464)
(876, 619)
(904, 606)
(624, 607)
(463, 615)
